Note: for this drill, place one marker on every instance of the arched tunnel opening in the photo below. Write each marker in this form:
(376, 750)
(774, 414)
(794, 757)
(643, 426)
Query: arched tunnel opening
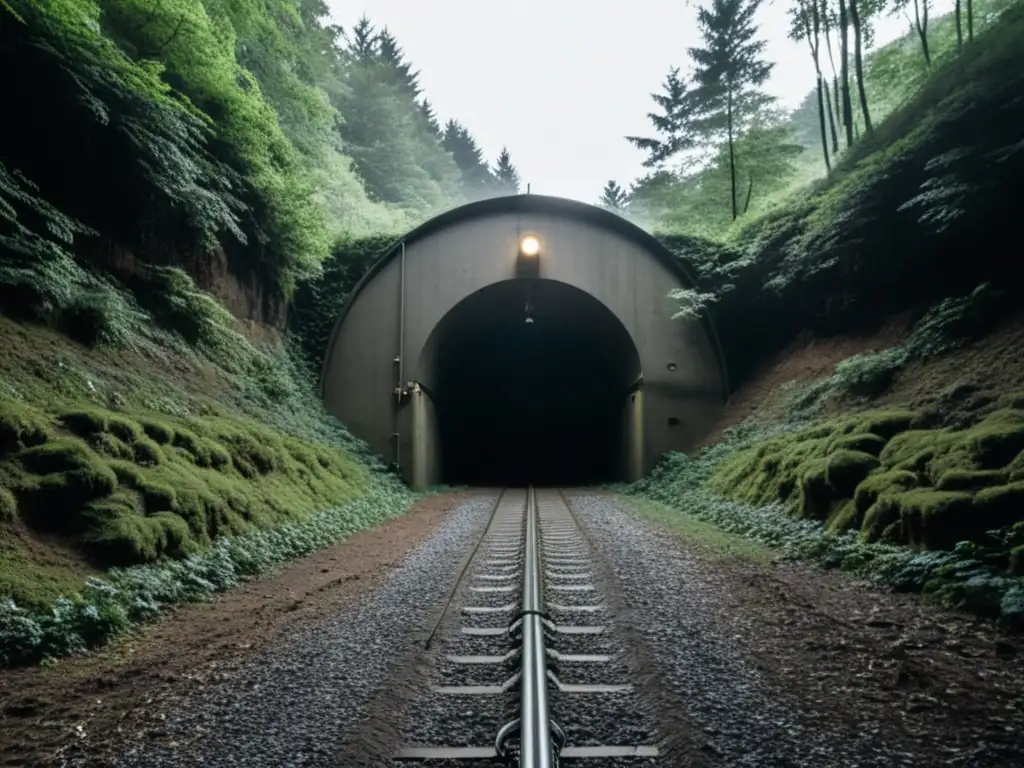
(531, 385)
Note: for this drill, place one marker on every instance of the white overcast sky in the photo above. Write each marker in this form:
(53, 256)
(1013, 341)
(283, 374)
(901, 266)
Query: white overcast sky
(561, 82)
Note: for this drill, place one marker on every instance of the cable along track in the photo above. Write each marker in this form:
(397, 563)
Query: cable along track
(535, 644)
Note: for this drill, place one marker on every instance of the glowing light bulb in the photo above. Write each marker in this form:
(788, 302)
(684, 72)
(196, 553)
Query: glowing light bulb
(529, 245)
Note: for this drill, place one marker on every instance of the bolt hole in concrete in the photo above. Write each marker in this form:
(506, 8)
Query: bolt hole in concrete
(540, 403)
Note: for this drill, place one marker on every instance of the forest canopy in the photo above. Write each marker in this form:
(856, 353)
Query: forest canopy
(255, 126)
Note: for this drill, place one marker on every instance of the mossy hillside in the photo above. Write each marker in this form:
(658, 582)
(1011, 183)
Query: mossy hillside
(124, 489)
(887, 476)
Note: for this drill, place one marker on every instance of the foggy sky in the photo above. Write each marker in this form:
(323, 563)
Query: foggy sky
(561, 82)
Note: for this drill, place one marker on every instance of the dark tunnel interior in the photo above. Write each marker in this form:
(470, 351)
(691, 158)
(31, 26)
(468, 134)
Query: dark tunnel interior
(539, 402)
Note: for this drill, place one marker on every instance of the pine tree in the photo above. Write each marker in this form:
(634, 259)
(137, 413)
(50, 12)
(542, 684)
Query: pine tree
(613, 197)
(391, 56)
(729, 73)
(506, 174)
(363, 45)
(673, 123)
(477, 181)
(430, 117)
(385, 131)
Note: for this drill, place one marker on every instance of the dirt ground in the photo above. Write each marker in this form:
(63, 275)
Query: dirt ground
(958, 386)
(101, 699)
(805, 360)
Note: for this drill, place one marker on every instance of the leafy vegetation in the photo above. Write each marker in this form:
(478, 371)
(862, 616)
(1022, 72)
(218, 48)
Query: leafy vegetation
(108, 606)
(981, 576)
(155, 454)
(891, 495)
(250, 127)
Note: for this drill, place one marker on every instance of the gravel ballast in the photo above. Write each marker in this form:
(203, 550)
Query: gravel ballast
(293, 705)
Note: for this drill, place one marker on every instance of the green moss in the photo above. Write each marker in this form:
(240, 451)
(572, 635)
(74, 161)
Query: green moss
(1015, 468)
(158, 431)
(145, 451)
(863, 443)
(123, 490)
(999, 507)
(108, 445)
(911, 450)
(990, 444)
(21, 426)
(1013, 400)
(8, 506)
(970, 480)
(843, 517)
(997, 439)
(64, 455)
(119, 534)
(876, 485)
(85, 422)
(124, 429)
(886, 424)
(35, 575)
(825, 482)
(882, 521)
(936, 519)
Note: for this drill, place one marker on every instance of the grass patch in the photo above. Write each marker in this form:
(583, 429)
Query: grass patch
(702, 535)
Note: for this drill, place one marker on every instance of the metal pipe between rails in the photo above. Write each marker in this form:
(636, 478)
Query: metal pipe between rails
(535, 743)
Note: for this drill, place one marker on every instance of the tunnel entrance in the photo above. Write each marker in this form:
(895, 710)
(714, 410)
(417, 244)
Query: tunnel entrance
(540, 402)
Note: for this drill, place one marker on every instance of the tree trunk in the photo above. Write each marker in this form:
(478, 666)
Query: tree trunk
(750, 188)
(831, 120)
(833, 117)
(959, 30)
(821, 125)
(858, 62)
(844, 76)
(970, 21)
(732, 153)
(921, 23)
(812, 31)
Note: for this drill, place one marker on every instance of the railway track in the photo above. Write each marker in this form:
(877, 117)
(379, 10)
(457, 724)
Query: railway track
(528, 669)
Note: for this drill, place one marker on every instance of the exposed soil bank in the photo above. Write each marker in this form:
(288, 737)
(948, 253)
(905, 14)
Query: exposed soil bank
(98, 702)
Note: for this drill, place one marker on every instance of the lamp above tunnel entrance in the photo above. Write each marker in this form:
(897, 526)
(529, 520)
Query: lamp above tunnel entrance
(529, 256)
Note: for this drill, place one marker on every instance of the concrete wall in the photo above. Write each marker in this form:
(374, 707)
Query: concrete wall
(445, 266)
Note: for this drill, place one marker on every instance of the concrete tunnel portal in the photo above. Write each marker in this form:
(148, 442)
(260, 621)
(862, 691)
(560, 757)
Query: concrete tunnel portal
(463, 359)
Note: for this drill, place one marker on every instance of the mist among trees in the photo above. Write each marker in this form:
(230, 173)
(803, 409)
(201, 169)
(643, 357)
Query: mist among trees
(721, 150)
